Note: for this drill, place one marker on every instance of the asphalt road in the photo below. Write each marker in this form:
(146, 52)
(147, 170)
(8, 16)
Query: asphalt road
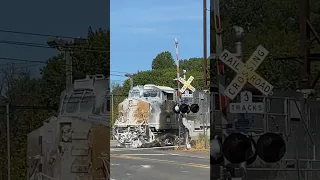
(155, 164)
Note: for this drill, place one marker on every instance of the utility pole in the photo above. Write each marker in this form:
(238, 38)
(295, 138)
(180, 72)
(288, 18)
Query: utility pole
(8, 141)
(68, 67)
(178, 69)
(304, 7)
(112, 106)
(130, 78)
(305, 74)
(178, 86)
(205, 43)
(221, 85)
(66, 47)
(239, 36)
(112, 114)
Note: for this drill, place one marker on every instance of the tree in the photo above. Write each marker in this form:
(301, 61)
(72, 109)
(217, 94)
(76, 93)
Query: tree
(89, 59)
(273, 24)
(23, 90)
(163, 60)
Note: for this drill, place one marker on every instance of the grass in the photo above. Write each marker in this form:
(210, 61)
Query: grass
(201, 144)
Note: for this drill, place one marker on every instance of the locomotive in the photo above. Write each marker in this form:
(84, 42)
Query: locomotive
(73, 145)
(147, 118)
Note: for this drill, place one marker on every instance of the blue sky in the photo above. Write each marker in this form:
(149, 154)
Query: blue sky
(141, 29)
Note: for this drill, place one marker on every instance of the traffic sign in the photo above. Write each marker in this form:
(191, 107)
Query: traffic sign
(246, 72)
(246, 105)
(242, 124)
(187, 84)
(187, 94)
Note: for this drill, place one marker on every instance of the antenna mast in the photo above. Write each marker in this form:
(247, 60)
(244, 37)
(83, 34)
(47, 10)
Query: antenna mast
(178, 69)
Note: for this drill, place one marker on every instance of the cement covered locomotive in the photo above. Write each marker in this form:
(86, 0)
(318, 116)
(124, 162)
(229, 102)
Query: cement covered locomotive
(147, 118)
(73, 145)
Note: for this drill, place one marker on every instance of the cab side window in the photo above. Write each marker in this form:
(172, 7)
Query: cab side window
(105, 108)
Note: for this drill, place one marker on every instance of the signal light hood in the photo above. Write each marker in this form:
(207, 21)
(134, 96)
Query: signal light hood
(238, 148)
(271, 147)
(184, 108)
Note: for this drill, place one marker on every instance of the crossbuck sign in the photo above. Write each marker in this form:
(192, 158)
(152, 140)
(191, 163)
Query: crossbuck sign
(246, 72)
(187, 84)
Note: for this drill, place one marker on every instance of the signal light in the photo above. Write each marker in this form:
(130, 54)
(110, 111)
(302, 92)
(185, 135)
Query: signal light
(238, 148)
(176, 109)
(271, 147)
(184, 108)
(194, 108)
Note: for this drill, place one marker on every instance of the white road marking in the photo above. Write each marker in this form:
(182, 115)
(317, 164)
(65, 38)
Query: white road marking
(182, 155)
(146, 166)
(144, 154)
(138, 149)
(166, 154)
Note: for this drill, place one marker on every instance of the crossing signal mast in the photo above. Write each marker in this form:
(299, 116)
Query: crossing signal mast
(183, 108)
(228, 147)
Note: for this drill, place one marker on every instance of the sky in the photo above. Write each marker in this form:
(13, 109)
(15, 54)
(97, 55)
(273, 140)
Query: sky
(141, 29)
(59, 18)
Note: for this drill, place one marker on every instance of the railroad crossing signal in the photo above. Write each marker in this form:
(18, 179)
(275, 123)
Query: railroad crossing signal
(187, 84)
(238, 148)
(185, 108)
(246, 72)
(246, 105)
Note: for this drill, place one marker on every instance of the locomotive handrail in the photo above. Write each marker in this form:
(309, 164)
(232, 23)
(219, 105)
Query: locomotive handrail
(34, 164)
(105, 166)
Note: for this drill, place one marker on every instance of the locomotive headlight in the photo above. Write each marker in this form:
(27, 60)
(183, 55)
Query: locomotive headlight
(194, 108)
(184, 108)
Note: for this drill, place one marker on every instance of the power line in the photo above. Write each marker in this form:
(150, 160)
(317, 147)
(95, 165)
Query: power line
(117, 75)
(22, 60)
(27, 60)
(38, 45)
(121, 72)
(35, 34)
(32, 107)
(33, 61)
(117, 80)
(7, 64)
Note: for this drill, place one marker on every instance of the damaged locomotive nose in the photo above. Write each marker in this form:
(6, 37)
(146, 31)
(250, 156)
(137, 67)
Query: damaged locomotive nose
(146, 117)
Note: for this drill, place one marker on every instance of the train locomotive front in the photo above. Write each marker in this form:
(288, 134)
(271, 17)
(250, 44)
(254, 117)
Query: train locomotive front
(146, 118)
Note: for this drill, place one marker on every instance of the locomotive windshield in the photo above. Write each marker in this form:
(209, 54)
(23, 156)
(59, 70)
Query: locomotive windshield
(134, 93)
(150, 93)
(79, 102)
(87, 103)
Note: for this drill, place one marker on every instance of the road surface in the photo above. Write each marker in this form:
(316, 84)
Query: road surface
(155, 164)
